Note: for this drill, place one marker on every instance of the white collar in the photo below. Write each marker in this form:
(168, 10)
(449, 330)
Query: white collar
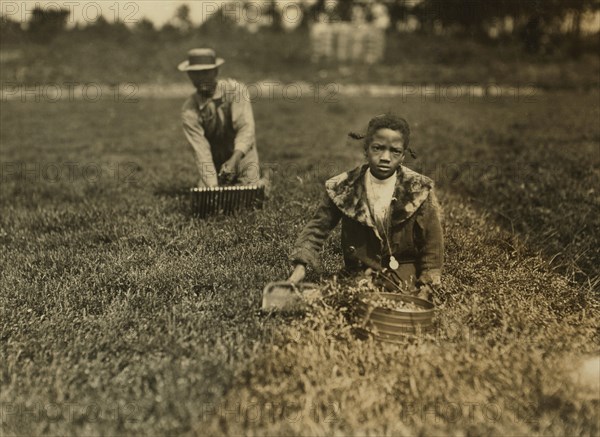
(391, 180)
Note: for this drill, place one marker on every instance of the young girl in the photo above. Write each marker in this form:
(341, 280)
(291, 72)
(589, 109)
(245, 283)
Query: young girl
(390, 215)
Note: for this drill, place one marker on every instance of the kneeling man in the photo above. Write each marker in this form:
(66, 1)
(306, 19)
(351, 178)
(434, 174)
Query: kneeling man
(219, 124)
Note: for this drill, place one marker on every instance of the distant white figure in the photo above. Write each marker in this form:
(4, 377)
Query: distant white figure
(321, 38)
(376, 38)
(356, 41)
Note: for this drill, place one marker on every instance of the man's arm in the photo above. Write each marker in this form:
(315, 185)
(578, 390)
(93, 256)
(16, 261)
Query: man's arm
(243, 121)
(194, 133)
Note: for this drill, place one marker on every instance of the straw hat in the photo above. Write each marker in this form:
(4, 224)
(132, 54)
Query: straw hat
(200, 59)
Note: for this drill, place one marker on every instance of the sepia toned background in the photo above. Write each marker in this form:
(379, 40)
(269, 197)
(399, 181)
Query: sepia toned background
(123, 314)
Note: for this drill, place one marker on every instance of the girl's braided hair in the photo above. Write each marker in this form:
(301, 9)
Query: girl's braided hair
(385, 121)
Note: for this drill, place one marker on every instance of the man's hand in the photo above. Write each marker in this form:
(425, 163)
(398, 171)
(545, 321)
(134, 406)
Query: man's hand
(298, 274)
(229, 169)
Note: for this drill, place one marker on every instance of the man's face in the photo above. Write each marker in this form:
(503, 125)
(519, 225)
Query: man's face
(205, 81)
(385, 153)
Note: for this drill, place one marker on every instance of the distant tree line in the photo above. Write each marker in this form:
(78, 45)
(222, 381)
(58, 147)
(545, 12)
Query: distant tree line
(533, 22)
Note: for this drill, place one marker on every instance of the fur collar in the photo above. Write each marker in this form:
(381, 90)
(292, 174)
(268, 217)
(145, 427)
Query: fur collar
(348, 193)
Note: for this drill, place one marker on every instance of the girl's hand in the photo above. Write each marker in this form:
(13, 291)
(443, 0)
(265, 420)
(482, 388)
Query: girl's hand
(425, 292)
(298, 274)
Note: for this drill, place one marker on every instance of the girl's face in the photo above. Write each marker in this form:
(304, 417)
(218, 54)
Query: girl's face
(385, 153)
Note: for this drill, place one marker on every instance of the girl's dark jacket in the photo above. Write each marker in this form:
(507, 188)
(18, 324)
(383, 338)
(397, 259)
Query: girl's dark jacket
(414, 231)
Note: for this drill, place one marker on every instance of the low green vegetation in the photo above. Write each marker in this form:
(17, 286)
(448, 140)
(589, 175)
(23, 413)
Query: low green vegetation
(122, 314)
(120, 56)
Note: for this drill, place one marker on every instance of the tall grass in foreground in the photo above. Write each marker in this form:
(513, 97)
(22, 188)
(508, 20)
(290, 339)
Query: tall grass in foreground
(121, 314)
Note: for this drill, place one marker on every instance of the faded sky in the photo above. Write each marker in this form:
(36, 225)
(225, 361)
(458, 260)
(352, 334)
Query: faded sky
(128, 11)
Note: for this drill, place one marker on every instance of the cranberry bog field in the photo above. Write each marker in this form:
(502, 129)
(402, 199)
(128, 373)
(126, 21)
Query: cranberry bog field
(122, 314)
